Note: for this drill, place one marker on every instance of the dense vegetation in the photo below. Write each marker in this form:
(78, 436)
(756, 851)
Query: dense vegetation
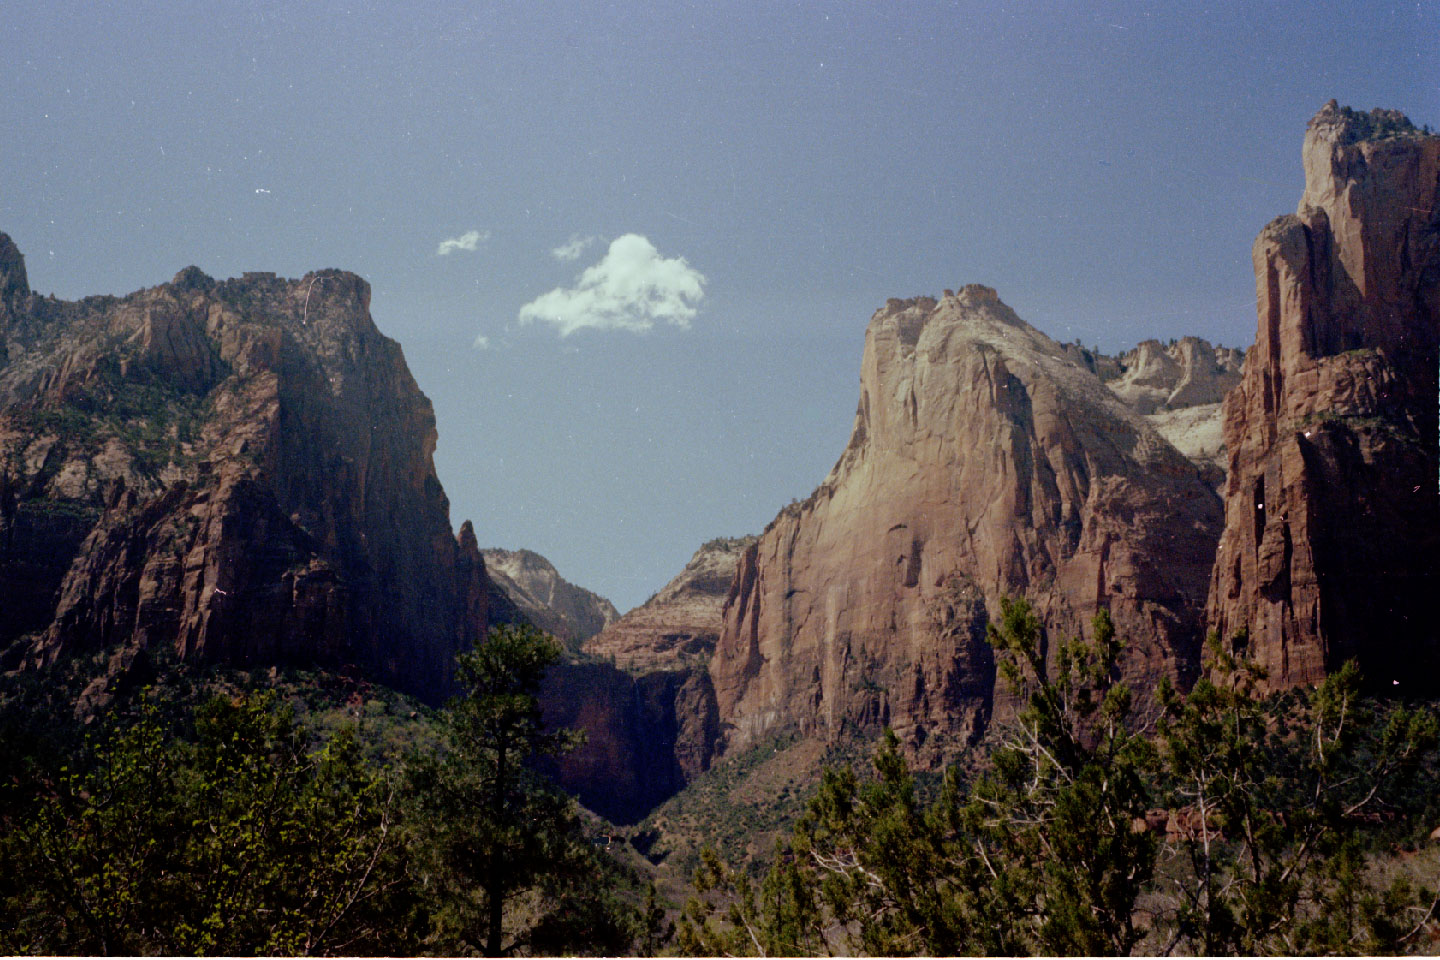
(329, 817)
(1236, 825)
(232, 828)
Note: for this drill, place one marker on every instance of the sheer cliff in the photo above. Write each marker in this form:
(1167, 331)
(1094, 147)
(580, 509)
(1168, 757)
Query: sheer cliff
(1331, 547)
(986, 460)
(681, 623)
(235, 470)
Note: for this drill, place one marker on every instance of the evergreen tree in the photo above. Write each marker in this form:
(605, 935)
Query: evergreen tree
(1059, 806)
(509, 858)
(1278, 794)
(1273, 805)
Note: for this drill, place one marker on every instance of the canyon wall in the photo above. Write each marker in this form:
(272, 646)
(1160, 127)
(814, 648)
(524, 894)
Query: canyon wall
(986, 461)
(681, 623)
(1331, 547)
(569, 613)
(234, 470)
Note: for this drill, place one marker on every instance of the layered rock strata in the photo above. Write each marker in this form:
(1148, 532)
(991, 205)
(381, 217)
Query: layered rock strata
(681, 624)
(571, 614)
(237, 470)
(986, 461)
(1331, 547)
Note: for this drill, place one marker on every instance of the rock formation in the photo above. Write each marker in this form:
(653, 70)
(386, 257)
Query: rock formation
(237, 470)
(1156, 377)
(1331, 547)
(681, 624)
(571, 614)
(986, 460)
(1178, 387)
(643, 694)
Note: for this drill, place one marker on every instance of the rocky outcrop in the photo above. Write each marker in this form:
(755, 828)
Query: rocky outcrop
(1199, 433)
(14, 281)
(1178, 387)
(680, 624)
(1157, 377)
(569, 613)
(643, 694)
(985, 461)
(237, 470)
(1331, 547)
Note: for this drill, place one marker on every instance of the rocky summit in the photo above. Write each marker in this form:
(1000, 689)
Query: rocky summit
(569, 613)
(1331, 548)
(234, 470)
(986, 461)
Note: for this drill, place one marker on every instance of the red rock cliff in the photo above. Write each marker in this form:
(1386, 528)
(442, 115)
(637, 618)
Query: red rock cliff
(985, 461)
(1331, 547)
(238, 470)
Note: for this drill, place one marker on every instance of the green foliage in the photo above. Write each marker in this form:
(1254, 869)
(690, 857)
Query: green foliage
(508, 858)
(157, 422)
(238, 841)
(719, 808)
(1378, 124)
(1039, 857)
(1059, 804)
(1280, 792)
(1273, 803)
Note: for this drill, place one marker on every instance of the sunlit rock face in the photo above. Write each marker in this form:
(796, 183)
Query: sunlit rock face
(1189, 372)
(986, 461)
(681, 623)
(237, 470)
(569, 613)
(1331, 547)
(1178, 387)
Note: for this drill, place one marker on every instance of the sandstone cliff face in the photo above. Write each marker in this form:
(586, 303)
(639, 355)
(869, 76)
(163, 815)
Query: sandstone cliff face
(569, 613)
(681, 624)
(1331, 547)
(985, 461)
(237, 470)
(646, 735)
(646, 700)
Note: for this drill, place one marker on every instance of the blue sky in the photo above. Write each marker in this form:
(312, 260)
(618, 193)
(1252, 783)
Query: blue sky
(786, 166)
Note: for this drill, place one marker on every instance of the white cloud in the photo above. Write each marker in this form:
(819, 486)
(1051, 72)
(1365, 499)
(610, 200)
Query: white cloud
(631, 288)
(482, 342)
(572, 248)
(466, 241)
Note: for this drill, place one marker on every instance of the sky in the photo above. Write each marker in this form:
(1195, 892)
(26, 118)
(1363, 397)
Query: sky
(630, 249)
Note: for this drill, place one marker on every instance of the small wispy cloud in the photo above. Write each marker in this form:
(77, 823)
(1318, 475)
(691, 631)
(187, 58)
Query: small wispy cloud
(572, 248)
(466, 241)
(631, 288)
(482, 342)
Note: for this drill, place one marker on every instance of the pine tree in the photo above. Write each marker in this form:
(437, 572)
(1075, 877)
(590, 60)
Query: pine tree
(510, 859)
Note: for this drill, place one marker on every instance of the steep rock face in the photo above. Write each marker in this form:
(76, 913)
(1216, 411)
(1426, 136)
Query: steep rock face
(646, 735)
(650, 712)
(985, 461)
(1331, 547)
(237, 470)
(571, 614)
(681, 623)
